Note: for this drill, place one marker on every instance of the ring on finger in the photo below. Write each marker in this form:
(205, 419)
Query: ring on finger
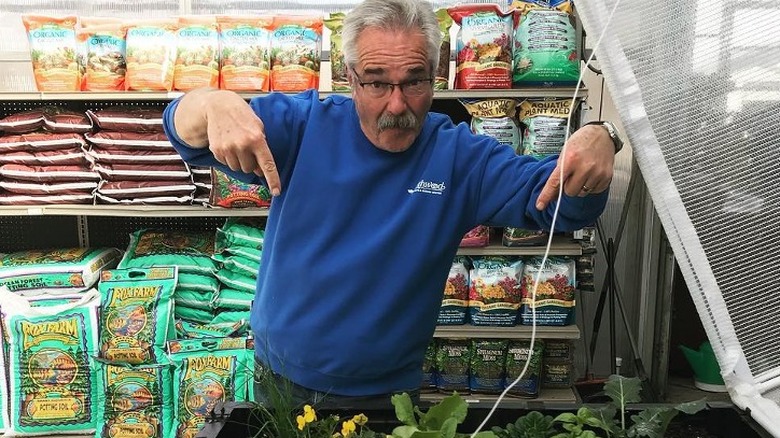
(586, 189)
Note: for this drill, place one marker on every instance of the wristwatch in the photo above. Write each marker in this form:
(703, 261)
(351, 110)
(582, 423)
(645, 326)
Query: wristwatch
(612, 131)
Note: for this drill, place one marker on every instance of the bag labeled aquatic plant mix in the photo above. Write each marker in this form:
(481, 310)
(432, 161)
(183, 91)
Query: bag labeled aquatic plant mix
(545, 44)
(136, 314)
(55, 271)
(454, 305)
(494, 295)
(207, 372)
(545, 121)
(52, 386)
(554, 302)
(134, 401)
(495, 118)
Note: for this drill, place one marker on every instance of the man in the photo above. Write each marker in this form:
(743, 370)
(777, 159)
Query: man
(371, 198)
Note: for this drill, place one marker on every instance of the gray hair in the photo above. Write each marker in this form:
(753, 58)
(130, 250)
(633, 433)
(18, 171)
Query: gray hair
(415, 15)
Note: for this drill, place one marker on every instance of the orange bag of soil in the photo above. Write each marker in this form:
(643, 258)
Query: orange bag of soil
(296, 52)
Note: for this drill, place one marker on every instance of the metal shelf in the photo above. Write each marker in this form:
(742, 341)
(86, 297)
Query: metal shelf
(561, 246)
(129, 211)
(565, 92)
(548, 399)
(516, 332)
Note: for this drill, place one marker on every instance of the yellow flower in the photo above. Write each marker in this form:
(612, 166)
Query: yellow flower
(309, 414)
(347, 428)
(360, 419)
(301, 422)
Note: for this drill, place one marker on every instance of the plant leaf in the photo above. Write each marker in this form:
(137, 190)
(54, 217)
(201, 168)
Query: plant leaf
(404, 431)
(651, 422)
(404, 409)
(448, 428)
(566, 417)
(692, 407)
(450, 407)
(623, 390)
(606, 415)
(535, 424)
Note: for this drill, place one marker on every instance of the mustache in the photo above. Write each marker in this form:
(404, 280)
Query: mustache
(407, 120)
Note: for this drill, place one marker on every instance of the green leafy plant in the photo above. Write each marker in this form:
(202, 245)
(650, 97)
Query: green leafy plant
(609, 421)
(440, 421)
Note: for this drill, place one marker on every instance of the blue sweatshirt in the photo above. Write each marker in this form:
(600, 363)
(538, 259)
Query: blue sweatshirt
(359, 244)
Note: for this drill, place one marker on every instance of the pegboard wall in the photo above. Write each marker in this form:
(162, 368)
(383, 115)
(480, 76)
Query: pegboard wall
(19, 233)
(105, 231)
(11, 107)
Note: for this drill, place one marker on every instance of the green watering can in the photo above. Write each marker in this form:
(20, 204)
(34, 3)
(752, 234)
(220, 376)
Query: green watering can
(705, 368)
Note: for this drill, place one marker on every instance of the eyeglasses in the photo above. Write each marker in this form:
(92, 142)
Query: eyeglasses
(410, 88)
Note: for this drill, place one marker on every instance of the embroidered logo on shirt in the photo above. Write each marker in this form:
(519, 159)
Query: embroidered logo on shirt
(430, 187)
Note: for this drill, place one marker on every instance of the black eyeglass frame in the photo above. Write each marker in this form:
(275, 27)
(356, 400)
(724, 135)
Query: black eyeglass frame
(392, 85)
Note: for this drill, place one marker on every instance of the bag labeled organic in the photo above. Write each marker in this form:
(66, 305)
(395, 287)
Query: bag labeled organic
(136, 314)
(197, 53)
(105, 62)
(53, 51)
(245, 43)
(484, 51)
(134, 401)
(554, 304)
(151, 53)
(545, 44)
(207, 372)
(52, 386)
(454, 305)
(494, 295)
(296, 51)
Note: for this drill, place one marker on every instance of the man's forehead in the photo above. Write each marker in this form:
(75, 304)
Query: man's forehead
(381, 70)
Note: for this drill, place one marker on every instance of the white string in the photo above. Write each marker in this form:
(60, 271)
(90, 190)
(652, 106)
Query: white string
(552, 228)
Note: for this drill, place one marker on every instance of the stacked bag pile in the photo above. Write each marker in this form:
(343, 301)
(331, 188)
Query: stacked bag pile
(239, 245)
(201, 178)
(41, 158)
(136, 162)
(49, 331)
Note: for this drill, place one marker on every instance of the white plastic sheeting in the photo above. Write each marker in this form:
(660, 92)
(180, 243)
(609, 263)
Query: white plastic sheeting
(697, 87)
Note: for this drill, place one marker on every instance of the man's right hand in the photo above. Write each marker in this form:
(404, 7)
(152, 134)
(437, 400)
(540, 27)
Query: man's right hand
(225, 123)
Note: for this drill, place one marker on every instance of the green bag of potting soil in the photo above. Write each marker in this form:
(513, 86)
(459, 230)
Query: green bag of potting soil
(192, 314)
(239, 265)
(233, 299)
(202, 283)
(134, 400)
(190, 251)
(236, 281)
(240, 232)
(253, 254)
(207, 372)
(136, 317)
(188, 330)
(52, 386)
(193, 299)
(231, 316)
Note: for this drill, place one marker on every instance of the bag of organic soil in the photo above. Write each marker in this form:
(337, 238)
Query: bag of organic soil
(134, 400)
(52, 386)
(554, 302)
(545, 44)
(136, 317)
(494, 295)
(207, 372)
(484, 49)
(454, 305)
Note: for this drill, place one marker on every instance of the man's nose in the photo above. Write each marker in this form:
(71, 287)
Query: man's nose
(396, 103)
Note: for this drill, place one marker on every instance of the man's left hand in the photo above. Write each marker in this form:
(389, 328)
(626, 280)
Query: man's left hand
(585, 165)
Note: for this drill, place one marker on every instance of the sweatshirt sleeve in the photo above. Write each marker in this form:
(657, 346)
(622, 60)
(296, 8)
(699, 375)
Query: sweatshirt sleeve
(284, 120)
(511, 184)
